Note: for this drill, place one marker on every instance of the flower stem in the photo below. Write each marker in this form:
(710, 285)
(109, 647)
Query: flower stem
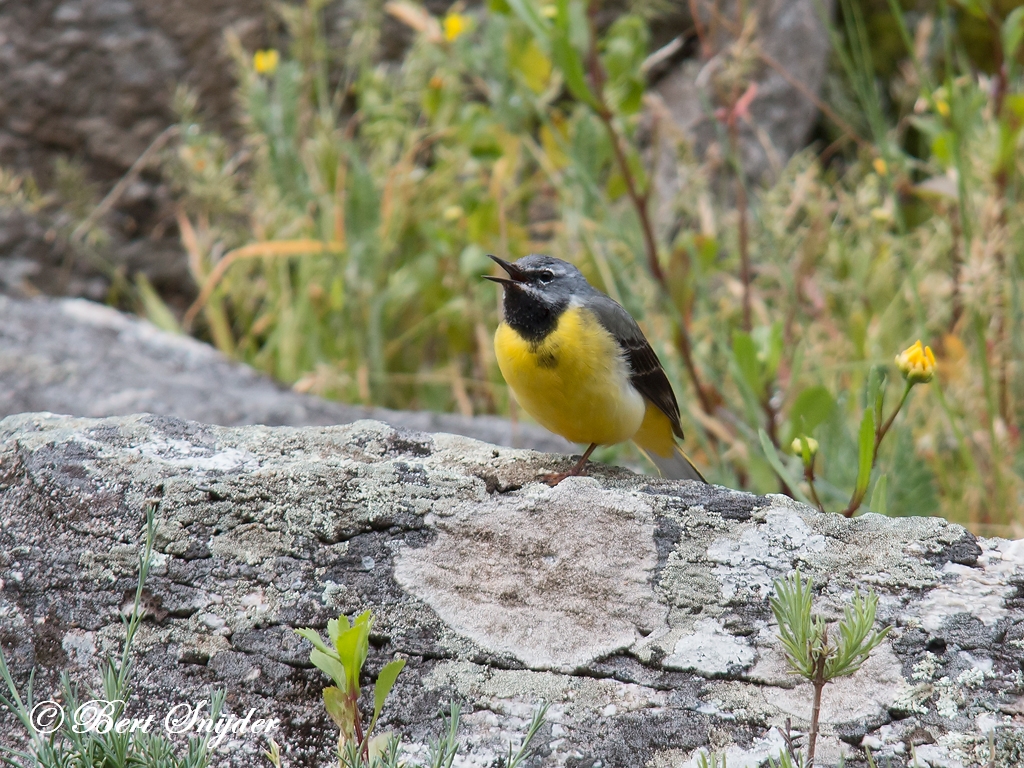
(880, 431)
(809, 477)
(819, 685)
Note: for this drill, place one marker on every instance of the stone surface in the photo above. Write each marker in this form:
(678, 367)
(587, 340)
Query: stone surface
(638, 608)
(79, 358)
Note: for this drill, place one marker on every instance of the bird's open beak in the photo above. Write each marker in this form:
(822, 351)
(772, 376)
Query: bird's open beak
(515, 274)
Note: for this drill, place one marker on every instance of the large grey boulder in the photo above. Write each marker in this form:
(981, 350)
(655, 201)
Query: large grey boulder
(79, 358)
(638, 608)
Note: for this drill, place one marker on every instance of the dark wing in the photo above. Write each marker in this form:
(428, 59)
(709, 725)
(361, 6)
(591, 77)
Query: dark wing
(646, 373)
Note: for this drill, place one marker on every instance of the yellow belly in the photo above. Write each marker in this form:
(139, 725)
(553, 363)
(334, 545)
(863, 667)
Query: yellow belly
(575, 382)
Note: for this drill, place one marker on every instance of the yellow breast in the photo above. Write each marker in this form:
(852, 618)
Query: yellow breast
(574, 382)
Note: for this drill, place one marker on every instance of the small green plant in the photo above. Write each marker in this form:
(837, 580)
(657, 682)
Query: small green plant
(810, 652)
(61, 742)
(917, 366)
(786, 760)
(711, 760)
(343, 662)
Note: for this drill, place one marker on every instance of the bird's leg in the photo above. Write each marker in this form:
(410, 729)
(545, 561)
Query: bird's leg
(557, 477)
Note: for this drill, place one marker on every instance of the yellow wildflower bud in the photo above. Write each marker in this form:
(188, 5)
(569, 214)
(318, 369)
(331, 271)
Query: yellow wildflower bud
(916, 363)
(798, 448)
(265, 62)
(881, 167)
(942, 107)
(452, 212)
(549, 11)
(455, 24)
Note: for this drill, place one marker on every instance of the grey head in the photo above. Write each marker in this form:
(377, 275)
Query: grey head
(538, 290)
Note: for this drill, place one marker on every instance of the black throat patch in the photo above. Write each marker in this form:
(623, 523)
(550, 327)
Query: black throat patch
(529, 316)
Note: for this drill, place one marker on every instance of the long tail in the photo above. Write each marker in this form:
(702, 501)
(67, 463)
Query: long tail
(657, 442)
(676, 466)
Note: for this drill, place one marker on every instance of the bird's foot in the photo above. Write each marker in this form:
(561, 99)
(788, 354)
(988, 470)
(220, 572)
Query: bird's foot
(580, 469)
(554, 478)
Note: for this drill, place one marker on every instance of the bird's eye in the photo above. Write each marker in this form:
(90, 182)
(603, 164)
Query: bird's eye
(546, 276)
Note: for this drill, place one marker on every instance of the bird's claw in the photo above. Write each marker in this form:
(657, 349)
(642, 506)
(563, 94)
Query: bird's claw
(554, 478)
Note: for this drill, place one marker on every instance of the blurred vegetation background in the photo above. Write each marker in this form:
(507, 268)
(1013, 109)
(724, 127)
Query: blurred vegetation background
(338, 241)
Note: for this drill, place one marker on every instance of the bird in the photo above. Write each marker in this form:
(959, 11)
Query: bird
(579, 364)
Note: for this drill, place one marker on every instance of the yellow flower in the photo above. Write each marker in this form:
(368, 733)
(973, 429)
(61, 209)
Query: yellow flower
(916, 363)
(881, 167)
(452, 212)
(265, 62)
(455, 24)
(549, 11)
(798, 448)
(942, 107)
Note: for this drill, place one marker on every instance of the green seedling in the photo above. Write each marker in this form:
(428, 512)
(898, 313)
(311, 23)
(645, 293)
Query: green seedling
(342, 660)
(811, 652)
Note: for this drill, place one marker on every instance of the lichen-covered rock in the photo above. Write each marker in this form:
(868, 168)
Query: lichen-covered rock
(637, 607)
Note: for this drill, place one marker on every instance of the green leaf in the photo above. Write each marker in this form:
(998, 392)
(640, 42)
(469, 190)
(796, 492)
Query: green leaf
(378, 746)
(336, 706)
(532, 64)
(810, 408)
(977, 8)
(879, 496)
(329, 665)
(866, 450)
(942, 147)
(616, 186)
(572, 14)
(154, 308)
(385, 682)
(353, 645)
(529, 13)
(1013, 33)
(791, 605)
(769, 341)
(707, 250)
(570, 64)
(314, 637)
(333, 630)
(776, 461)
(876, 391)
(911, 481)
(856, 637)
(1014, 102)
(745, 352)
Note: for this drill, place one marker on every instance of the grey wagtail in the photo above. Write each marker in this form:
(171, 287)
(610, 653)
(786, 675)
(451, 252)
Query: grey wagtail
(580, 365)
